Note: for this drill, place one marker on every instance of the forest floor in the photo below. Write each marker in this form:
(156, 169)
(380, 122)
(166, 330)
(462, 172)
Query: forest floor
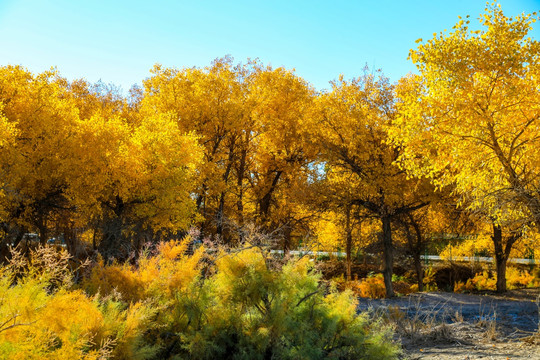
(450, 326)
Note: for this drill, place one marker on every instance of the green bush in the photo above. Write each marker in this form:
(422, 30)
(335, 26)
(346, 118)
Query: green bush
(251, 307)
(256, 310)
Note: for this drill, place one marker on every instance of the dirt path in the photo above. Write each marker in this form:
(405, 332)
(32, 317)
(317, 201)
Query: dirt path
(448, 326)
(514, 351)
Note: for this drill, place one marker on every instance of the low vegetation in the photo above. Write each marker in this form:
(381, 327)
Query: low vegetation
(235, 304)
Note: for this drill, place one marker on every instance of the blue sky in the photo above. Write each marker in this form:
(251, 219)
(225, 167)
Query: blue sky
(119, 41)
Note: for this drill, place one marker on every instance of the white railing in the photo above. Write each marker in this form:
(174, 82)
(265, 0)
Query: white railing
(423, 257)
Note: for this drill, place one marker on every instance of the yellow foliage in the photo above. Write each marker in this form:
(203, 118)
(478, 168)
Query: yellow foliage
(78, 316)
(469, 120)
(38, 325)
(468, 247)
(482, 281)
(461, 287)
(373, 287)
(516, 278)
(39, 160)
(429, 280)
(163, 274)
(329, 234)
(245, 264)
(121, 279)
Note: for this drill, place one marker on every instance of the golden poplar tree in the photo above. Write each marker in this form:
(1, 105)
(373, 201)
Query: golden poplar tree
(351, 131)
(35, 163)
(470, 120)
(279, 173)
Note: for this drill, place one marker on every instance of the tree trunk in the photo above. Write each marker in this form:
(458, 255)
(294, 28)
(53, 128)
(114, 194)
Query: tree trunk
(501, 275)
(388, 256)
(419, 271)
(266, 200)
(287, 239)
(42, 228)
(220, 215)
(111, 244)
(500, 258)
(94, 243)
(240, 182)
(417, 252)
(502, 253)
(348, 243)
(70, 239)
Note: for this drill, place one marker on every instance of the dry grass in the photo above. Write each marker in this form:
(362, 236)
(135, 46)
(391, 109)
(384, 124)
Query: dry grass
(534, 339)
(420, 325)
(417, 324)
(453, 327)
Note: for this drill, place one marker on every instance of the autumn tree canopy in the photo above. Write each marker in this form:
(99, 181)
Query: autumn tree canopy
(232, 144)
(351, 134)
(470, 120)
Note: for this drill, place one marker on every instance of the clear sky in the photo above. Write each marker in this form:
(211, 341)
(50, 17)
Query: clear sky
(119, 41)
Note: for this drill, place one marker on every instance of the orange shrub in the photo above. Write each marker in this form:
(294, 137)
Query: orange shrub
(461, 287)
(161, 275)
(121, 279)
(373, 287)
(429, 280)
(516, 278)
(483, 281)
(404, 288)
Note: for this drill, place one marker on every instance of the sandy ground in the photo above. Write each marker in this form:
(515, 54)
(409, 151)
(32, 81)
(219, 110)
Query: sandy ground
(485, 351)
(448, 326)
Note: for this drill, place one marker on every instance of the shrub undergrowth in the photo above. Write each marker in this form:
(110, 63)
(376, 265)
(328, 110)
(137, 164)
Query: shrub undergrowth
(515, 279)
(248, 306)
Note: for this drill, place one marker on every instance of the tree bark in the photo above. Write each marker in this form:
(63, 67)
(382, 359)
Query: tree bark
(265, 202)
(111, 243)
(417, 252)
(502, 253)
(419, 271)
(500, 261)
(415, 249)
(240, 180)
(220, 215)
(348, 242)
(388, 256)
(287, 239)
(42, 228)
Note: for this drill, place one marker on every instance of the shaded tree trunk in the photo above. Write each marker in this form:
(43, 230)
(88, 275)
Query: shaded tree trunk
(287, 239)
(70, 239)
(502, 253)
(42, 228)
(500, 260)
(348, 241)
(111, 244)
(220, 215)
(241, 170)
(415, 249)
(265, 202)
(388, 255)
(417, 252)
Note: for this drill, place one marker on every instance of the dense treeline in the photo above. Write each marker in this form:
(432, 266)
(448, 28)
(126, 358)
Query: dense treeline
(454, 147)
